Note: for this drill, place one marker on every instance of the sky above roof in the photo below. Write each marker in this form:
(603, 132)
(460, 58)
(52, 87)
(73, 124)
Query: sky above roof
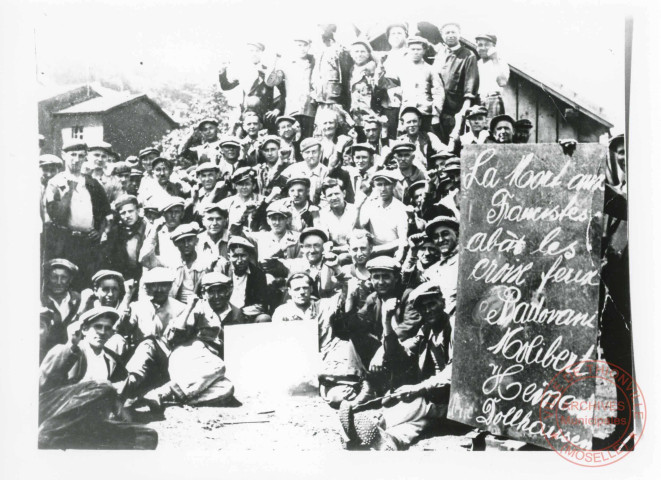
(572, 44)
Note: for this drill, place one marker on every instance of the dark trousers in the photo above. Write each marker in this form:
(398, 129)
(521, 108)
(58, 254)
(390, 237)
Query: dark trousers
(147, 368)
(307, 125)
(444, 128)
(392, 114)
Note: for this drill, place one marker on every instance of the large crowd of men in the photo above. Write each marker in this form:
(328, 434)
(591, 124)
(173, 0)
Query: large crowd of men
(335, 200)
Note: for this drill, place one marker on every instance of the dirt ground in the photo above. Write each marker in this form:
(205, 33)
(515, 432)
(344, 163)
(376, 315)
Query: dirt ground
(298, 423)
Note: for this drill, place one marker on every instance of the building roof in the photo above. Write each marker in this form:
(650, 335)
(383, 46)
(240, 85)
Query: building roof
(111, 102)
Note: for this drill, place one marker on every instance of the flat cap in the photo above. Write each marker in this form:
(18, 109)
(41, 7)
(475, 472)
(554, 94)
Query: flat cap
(210, 120)
(452, 165)
(230, 142)
(270, 139)
(158, 275)
(136, 172)
(410, 109)
(132, 160)
(310, 142)
(211, 279)
(392, 176)
(61, 262)
(383, 263)
(425, 290)
(443, 155)
(451, 222)
(284, 118)
(500, 118)
(171, 202)
(101, 274)
(487, 36)
(49, 159)
(237, 241)
(364, 42)
(312, 231)
(294, 180)
(523, 123)
(158, 160)
(206, 167)
(243, 173)
(215, 207)
(416, 39)
(476, 110)
(363, 146)
(185, 230)
(125, 199)
(105, 146)
(402, 146)
(98, 312)
(415, 185)
(278, 208)
(73, 145)
(147, 151)
(121, 168)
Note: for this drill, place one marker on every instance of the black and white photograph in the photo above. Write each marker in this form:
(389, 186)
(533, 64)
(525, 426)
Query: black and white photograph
(319, 228)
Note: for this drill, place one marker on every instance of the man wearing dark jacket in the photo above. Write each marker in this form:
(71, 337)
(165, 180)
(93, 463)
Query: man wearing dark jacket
(123, 239)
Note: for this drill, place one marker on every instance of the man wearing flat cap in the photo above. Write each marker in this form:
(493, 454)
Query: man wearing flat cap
(213, 241)
(192, 263)
(404, 154)
(230, 160)
(426, 143)
(522, 130)
(58, 297)
(258, 95)
(310, 168)
(421, 396)
(421, 87)
(203, 145)
(444, 231)
(494, 74)
(296, 87)
(158, 249)
(163, 185)
(476, 116)
(98, 158)
(209, 190)
(77, 206)
(384, 216)
(108, 290)
(291, 135)
(269, 172)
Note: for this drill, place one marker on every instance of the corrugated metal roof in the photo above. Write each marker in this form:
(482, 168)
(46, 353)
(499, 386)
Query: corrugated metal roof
(100, 104)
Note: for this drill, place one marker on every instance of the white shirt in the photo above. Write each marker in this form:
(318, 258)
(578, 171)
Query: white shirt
(63, 307)
(385, 223)
(81, 217)
(301, 169)
(489, 73)
(238, 298)
(97, 367)
(339, 227)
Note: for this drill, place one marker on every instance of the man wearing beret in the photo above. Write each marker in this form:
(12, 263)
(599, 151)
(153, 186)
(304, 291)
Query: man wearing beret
(457, 67)
(419, 400)
(258, 96)
(444, 231)
(384, 216)
(77, 206)
(501, 129)
(58, 297)
(494, 74)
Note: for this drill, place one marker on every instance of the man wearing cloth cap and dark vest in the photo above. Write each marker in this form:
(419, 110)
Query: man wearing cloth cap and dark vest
(77, 206)
(269, 173)
(203, 145)
(494, 74)
(425, 143)
(258, 96)
(158, 249)
(457, 67)
(384, 216)
(76, 400)
(420, 396)
(444, 231)
(196, 366)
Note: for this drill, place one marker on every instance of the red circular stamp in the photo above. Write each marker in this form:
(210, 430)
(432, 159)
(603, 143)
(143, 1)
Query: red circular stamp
(591, 408)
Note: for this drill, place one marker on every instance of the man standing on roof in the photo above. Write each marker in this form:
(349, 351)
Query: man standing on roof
(457, 67)
(494, 74)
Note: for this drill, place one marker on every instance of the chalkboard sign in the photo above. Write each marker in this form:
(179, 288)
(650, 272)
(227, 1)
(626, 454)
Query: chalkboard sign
(528, 291)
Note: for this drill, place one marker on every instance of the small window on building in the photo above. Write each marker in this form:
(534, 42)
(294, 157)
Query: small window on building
(77, 132)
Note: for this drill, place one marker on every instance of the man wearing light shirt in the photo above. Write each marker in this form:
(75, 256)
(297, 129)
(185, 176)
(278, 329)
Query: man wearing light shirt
(311, 167)
(494, 74)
